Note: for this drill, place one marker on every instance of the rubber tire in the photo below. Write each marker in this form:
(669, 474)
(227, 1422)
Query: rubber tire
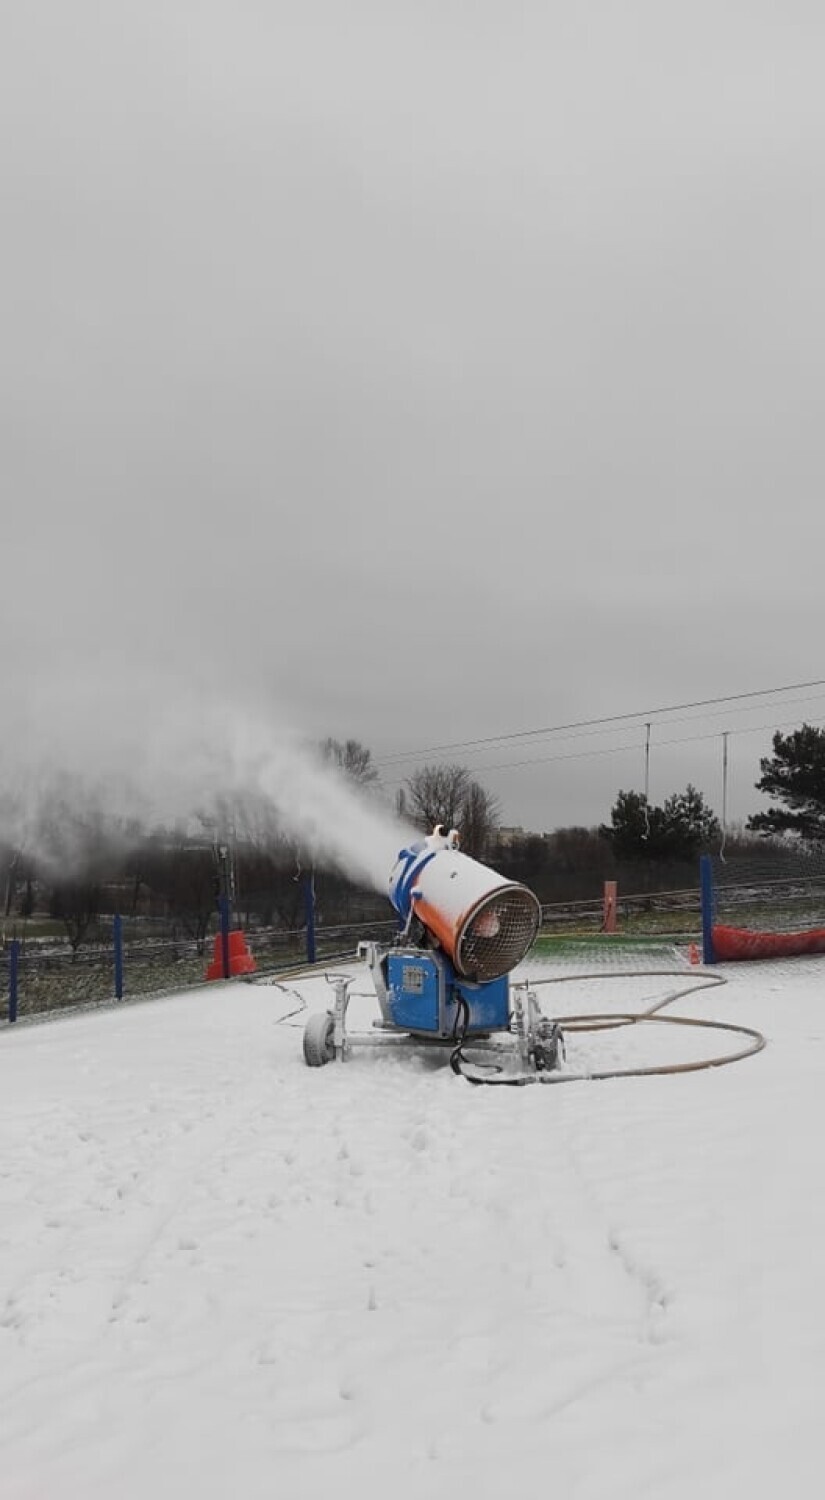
(318, 1043)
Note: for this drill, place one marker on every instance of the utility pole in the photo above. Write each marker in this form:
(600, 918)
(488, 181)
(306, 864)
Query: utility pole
(225, 886)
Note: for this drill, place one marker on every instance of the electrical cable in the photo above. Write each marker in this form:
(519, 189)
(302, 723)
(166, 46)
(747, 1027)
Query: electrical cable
(462, 1009)
(684, 739)
(496, 739)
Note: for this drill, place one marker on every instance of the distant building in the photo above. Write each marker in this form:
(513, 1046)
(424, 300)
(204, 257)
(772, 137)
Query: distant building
(509, 836)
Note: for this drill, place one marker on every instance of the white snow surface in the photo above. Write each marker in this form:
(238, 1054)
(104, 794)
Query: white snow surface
(223, 1273)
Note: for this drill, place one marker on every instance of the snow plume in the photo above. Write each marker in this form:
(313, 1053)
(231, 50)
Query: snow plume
(317, 805)
(80, 770)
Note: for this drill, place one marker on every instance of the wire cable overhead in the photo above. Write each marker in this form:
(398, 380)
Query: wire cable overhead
(606, 719)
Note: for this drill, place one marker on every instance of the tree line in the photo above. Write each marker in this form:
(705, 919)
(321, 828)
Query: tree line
(86, 867)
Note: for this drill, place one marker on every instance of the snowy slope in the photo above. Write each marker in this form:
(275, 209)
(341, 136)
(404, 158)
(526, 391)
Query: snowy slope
(222, 1273)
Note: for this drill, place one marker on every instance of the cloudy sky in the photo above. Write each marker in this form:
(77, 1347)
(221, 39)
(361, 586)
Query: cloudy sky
(428, 373)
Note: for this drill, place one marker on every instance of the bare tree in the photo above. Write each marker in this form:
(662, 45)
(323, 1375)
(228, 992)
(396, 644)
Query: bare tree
(449, 795)
(77, 846)
(289, 889)
(77, 905)
(479, 821)
(11, 860)
(437, 795)
(12, 845)
(184, 875)
(351, 757)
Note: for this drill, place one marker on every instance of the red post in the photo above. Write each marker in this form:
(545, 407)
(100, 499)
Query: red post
(609, 909)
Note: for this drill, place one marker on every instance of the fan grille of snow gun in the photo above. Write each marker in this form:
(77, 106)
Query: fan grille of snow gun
(498, 933)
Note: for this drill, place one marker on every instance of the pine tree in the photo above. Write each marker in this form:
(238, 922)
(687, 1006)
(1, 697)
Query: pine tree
(795, 776)
(680, 830)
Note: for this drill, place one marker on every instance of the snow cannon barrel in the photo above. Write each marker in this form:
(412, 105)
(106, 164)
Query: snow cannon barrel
(485, 924)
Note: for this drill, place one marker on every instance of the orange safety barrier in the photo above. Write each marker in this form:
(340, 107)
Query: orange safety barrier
(731, 943)
(240, 958)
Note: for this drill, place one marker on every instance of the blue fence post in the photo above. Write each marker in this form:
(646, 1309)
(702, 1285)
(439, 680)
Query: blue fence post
(223, 908)
(309, 908)
(14, 956)
(117, 938)
(706, 885)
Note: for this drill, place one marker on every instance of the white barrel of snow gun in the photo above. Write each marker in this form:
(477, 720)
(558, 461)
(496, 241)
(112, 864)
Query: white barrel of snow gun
(484, 923)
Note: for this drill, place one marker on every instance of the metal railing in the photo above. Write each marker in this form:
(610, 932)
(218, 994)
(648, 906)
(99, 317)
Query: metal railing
(42, 976)
(39, 977)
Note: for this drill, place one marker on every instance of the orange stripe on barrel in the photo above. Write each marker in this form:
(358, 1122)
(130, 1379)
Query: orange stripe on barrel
(436, 923)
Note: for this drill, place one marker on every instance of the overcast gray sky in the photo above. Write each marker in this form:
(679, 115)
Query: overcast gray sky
(430, 372)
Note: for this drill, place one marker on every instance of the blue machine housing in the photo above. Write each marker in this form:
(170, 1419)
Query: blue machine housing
(424, 995)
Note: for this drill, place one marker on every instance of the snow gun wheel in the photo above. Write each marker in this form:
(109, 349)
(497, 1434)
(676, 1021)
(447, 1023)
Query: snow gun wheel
(319, 1047)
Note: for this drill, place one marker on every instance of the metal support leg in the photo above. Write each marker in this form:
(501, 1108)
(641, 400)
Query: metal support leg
(339, 1019)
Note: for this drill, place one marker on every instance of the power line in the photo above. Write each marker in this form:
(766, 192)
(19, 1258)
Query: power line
(631, 729)
(685, 739)
(642, 713)
(633, 744)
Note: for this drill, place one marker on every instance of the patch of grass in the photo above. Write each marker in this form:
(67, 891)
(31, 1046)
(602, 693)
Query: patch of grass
(29, 929)
(569, 943)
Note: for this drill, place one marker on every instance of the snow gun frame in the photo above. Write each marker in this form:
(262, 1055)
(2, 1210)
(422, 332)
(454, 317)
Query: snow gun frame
(445, 978)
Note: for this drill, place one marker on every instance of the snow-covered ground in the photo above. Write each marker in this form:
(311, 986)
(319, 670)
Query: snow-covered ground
(225, 1274)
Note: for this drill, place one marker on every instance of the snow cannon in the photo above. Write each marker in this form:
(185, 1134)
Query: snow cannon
(445, 978)
(483, 923)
